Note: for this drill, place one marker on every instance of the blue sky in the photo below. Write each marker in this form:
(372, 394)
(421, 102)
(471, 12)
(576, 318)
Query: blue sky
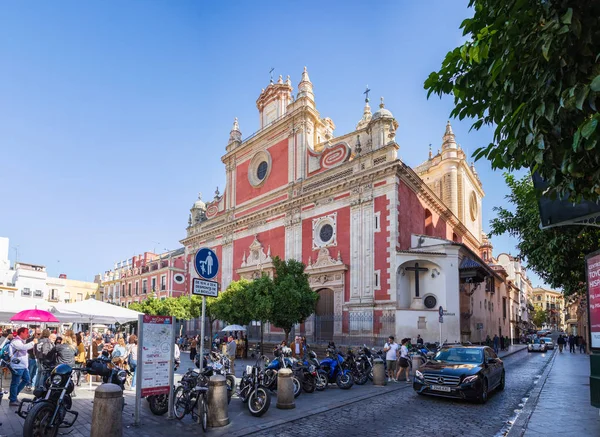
(114, 115)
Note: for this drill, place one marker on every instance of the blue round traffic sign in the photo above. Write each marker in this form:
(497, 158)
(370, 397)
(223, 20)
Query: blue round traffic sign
(206, 263)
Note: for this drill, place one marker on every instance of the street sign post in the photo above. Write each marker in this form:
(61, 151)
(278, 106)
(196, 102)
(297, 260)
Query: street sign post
(441, 313)
(206, 264)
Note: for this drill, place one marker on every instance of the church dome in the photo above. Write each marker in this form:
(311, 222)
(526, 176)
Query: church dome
(199, 204)
(382, 112)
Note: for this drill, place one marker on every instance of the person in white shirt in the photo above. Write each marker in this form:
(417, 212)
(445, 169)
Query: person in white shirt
(20, 364)
(391, 355)
(403, 361)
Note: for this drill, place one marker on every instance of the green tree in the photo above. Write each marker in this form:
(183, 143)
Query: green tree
(178, 307)
(557, 255)
(292, 299)
(261, 295)
(539, 318)
(196, 311)
(234, 305)
(530, 68)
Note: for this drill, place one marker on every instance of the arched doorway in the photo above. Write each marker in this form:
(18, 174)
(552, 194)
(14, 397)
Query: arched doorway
(324, 316)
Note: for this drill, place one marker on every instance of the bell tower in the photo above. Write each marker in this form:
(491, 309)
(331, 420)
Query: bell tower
(273, 101)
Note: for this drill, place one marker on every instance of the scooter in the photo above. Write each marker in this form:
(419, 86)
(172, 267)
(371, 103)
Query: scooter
(337, 370)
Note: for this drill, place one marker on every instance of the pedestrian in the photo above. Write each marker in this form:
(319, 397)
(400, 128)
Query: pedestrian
(120, 350)
(572, 343)
(561, 343)
(391, 355)
(403, 361)
(20, 364)
(32, 360)
(231, 348)
(297, 347)
(419, 340)
(506, 342)
(488, 340)
(582, 346)
(496, 343)
(193, 350)
(132, 350)
(80, 357)
(46, 357)
(245, 346)
(501, 343)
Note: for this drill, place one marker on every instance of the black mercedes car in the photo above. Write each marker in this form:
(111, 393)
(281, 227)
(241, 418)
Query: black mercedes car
(463, 372)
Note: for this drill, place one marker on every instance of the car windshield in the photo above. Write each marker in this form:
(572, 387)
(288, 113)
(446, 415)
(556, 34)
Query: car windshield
(459, 355)
(536, 341)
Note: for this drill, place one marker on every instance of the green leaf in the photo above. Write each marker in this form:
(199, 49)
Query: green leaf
(546, 49)
(529, 139)
(588, 129)
(580, 96)
(563, 29)
(576, 139)
(539, 157)
(541, 109)
(540, 142)
(595, 85)
(566, 18)
(589, 145)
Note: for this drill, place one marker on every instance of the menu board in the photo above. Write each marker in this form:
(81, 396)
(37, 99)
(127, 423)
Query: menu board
(156, 349)
(593, 277)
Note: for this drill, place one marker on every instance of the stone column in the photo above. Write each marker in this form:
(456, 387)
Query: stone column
(218, 413)
(108, 404)
(285, 390)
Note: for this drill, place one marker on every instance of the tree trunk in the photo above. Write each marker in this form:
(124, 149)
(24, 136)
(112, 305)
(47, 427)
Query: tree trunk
(261, 337)
(287, 336)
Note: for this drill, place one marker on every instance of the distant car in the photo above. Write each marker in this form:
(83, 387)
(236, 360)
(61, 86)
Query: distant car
(542, 333)
(537, 346)
(548, 342)
(461, 372)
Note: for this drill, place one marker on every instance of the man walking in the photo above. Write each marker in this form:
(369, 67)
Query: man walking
(572, 343)
(582, 346)
(496, 343)
(561, 343)
(391, 355)
(231, 348)
(20, 364)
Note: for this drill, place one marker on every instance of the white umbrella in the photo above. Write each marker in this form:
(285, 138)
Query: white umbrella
(233, 328)
(94, 311)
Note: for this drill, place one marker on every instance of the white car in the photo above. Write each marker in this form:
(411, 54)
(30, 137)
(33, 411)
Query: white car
(537, 346)
(548, 342)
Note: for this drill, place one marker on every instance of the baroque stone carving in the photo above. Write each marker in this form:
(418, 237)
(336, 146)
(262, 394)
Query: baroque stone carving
(256, 255)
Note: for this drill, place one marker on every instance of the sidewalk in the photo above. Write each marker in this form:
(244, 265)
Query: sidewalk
(563, 407)
(512, 350)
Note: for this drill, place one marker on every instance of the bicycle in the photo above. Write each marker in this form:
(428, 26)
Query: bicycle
(191, 396)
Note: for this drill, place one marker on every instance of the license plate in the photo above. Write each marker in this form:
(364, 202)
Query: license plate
(440, 388)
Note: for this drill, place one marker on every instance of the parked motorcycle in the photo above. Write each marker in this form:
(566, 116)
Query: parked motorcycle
(220, 365)
(357, 367)
(48, 410)
(321, 377)
(337, 370)
(252, 392)
(306, 374)
(282, 360)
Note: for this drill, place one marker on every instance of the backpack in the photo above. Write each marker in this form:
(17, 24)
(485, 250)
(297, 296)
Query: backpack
(6, 353)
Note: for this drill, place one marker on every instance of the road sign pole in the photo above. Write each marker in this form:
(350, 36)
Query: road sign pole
(441, 323)
(202, 332)
(138, 370)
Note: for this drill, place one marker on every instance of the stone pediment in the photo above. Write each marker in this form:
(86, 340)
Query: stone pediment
(326, 271)
(256, 262)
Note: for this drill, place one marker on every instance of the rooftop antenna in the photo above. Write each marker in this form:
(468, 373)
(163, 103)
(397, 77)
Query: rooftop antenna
(271, 73)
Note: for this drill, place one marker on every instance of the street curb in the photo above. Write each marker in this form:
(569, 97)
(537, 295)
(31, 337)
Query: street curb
(301, 415)
(520, 426)
(514, 352)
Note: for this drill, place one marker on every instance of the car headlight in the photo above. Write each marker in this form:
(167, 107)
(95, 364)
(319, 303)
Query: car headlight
(56, 379)
(470, 379)
(418, 374)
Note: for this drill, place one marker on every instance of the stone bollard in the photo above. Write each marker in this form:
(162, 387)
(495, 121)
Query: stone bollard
(417, 361)
(285, 390)
(218, 413)
(107, 418)
(378, 372)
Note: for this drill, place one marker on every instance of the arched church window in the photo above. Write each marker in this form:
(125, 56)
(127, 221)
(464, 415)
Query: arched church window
(428, 223)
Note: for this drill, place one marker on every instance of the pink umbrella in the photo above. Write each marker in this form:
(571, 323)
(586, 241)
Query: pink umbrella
(34, 316)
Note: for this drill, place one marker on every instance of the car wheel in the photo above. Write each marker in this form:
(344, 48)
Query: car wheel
(483, 396)
(502, 382)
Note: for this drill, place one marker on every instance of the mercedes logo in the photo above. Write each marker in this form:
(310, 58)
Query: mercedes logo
(440, 380)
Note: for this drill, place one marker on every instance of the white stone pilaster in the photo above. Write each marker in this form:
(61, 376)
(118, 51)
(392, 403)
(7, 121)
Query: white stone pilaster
(227, 263)
(355, 253)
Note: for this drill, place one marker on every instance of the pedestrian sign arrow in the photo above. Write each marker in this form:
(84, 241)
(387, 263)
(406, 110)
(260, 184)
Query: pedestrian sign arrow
(206, 263)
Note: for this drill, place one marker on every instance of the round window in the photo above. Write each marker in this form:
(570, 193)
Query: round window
(326, 233)
(430, 302)
(179, 278)
(261, 170)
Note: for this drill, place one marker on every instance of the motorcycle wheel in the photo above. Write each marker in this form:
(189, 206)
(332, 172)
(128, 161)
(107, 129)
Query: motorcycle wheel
(36, 422)
(259, 401)
(322, 380)
(297, 386)
(344, 380)
(180, 403)
(159, 404)
(309, 384)
(361, 378)
(230, 379)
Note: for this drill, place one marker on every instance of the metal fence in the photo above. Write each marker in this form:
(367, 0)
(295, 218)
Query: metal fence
(347, 329)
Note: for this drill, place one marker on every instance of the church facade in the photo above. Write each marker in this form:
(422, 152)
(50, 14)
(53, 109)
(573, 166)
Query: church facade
(384, 245)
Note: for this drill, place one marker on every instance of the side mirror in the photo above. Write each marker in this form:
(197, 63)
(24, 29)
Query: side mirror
(492, 361)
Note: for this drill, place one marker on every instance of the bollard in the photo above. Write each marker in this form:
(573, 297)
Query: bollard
(285, 390)
(378, 372)
(107, 419)
(218, 413)
(417, 361)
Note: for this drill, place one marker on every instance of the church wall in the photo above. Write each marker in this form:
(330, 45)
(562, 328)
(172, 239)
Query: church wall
(277, 177)
(382, 290)
(411, 218)
(274, 238)
(342, 242)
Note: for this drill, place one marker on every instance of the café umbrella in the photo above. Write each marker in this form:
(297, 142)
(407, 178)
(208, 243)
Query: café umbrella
(34, 316)
(233, 328)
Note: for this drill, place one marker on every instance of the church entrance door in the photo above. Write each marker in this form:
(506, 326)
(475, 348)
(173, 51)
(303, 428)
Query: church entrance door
(324, 316)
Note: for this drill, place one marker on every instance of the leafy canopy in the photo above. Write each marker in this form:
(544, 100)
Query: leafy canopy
(539, 318)
(531, 68)
(178, 307)
(234, 305)
(557, 255)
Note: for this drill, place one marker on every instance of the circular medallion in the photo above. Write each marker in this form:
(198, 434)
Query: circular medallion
(179, 278)
(430, 301)
(473, 208)
(326, 233)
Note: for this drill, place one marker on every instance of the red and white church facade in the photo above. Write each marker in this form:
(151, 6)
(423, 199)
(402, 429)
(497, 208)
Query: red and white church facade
(377, 237)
